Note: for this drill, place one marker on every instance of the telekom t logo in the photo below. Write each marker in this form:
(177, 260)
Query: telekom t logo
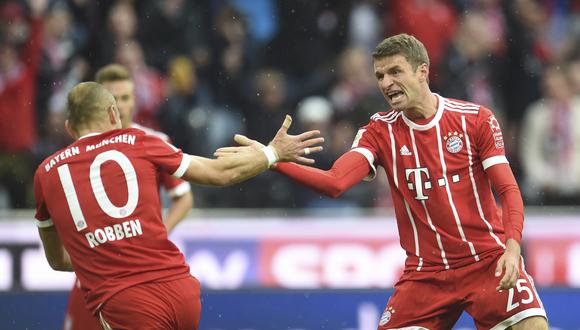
(417, 179)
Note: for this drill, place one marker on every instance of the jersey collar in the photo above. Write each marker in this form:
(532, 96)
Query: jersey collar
(433, 121)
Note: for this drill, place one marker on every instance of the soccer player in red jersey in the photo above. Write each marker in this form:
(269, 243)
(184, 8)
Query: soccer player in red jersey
(442, 158)
(117, 80)
(99, 213)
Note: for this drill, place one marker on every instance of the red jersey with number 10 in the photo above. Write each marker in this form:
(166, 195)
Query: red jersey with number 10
(102, 194)
(445, 209)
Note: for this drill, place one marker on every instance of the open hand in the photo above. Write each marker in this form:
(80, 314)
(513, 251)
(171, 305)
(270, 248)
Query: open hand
(289, 148)
(509, 264)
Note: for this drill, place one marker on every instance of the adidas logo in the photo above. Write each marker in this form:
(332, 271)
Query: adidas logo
(405, 151)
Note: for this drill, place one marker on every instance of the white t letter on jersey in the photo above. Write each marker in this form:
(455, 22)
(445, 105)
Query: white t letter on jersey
(418, 184)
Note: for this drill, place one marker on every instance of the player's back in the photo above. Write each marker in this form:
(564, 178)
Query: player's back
(102, 195)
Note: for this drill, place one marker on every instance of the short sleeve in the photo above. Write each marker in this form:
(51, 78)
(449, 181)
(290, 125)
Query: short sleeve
(489, 139)
(164, 155)
(42, 216)
(366, 143)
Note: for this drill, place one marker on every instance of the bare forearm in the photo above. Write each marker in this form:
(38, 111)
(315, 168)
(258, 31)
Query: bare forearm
(226, 171)
(179, 208)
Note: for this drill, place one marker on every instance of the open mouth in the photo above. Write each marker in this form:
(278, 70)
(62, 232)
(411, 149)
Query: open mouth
(395, 96)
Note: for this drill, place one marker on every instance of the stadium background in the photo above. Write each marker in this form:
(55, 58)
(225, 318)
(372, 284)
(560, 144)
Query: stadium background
(270, 254)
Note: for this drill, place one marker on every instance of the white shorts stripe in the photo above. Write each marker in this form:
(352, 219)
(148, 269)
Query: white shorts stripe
(104, 323)
(183, 166)
(494, 160)
(520, 316)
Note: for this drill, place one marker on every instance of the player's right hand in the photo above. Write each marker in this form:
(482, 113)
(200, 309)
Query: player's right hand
(293, 148)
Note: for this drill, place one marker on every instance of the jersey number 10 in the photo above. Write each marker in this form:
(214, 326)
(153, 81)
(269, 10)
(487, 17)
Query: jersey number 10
(99, 190)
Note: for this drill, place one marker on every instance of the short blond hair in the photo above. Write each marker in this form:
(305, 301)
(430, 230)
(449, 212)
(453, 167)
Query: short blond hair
(403, 44)
(87, 103)
(112, 72)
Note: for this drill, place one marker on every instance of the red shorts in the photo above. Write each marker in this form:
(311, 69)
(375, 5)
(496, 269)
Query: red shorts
(78, 316)
(435, 300)
(155, 305)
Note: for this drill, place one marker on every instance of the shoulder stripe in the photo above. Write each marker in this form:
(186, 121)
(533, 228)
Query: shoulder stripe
(462, 111)
(464, 106)
(390, 118)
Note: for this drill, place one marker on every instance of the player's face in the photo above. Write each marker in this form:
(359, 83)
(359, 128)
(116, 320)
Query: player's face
(123, 91)
(399, 83)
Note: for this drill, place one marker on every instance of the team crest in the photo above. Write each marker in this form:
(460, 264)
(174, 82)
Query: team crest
(453, 142)
(387, 315)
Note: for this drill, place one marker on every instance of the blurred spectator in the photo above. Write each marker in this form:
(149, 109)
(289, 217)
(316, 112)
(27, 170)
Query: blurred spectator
(188, 115)
(317, 112)
(550, 143)
(469, 70)
(267, 102)
(149, 83)
(262, 18)
(311, 34)
(574, 75)
(61, 67)
(231, 64)
(355, 92)
(20, 51)
(173, 27)
(365, 29)
(525, 57)
(431, 21)
(120, 28)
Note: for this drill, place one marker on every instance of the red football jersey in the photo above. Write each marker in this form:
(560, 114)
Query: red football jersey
(172, 185)
(101, 193)
(445, 208)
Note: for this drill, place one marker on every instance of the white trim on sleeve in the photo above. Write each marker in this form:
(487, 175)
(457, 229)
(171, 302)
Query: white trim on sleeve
(371, 159)
(494, 160)
(520, 316)
(44, 224)
(183, 166)
(179, 190)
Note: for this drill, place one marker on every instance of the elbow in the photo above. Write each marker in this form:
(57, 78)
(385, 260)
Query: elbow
(335, 191)
(60, 265)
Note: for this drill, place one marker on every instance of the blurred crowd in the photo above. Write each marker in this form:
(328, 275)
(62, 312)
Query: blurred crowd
(207, 69)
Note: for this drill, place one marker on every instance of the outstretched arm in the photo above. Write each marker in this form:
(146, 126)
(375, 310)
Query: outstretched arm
(247, 162)
(347, 171)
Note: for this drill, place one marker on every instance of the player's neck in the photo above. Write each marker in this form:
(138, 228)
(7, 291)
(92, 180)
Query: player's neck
(93, 131)
(425, 109)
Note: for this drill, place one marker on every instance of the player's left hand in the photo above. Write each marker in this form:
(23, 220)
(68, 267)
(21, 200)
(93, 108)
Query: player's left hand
(244, 144)
(509, 265)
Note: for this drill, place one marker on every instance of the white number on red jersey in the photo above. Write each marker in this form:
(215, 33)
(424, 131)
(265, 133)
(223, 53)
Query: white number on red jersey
(99, 190)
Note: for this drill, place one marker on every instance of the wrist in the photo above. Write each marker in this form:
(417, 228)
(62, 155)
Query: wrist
(271, 155)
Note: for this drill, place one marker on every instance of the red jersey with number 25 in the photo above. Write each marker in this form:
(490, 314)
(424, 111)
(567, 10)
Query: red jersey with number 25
(445, 209)
(101, 193)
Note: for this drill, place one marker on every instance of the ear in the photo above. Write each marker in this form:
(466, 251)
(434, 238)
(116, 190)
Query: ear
(70, 130)
(423, 71)
(114, 116)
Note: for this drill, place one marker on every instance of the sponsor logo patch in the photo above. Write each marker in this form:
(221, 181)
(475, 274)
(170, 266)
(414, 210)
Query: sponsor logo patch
(496, 132)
